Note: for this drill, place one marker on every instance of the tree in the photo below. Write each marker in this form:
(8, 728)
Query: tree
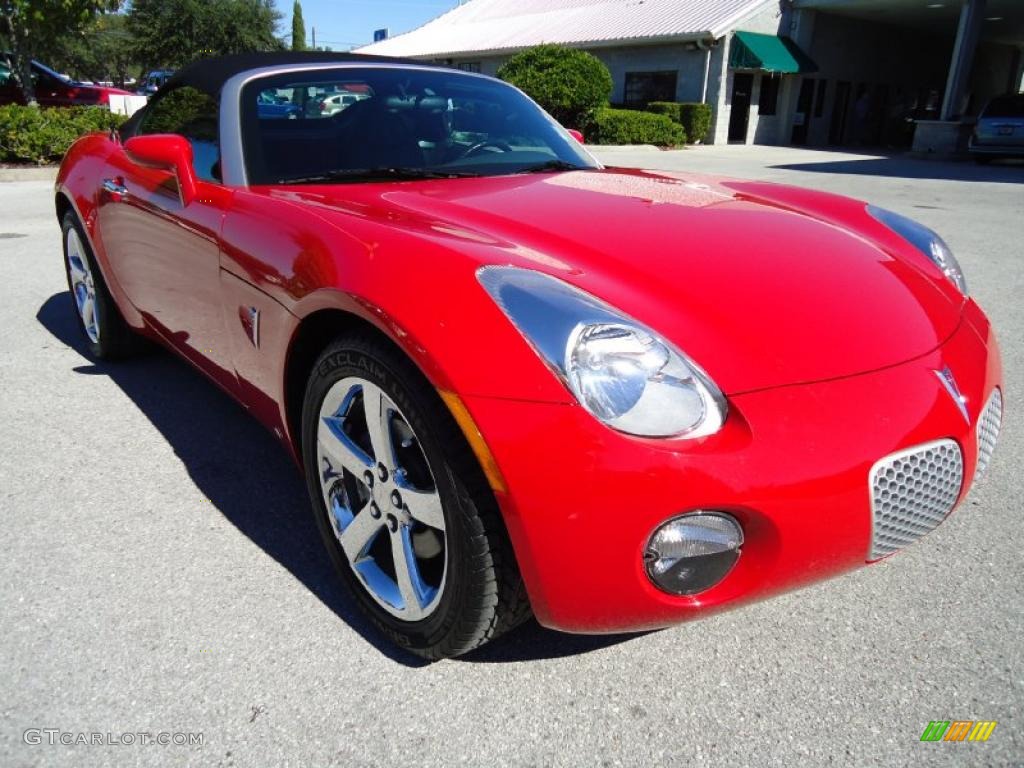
(29, 25)
(567, 82)
(177, 32)
(298, 28)
(103, 50)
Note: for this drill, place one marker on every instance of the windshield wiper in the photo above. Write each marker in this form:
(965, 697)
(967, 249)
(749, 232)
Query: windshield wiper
(367, 174)
(553, 165)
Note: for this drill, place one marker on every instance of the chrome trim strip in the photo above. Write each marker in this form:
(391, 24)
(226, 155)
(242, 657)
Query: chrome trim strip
(254, 325)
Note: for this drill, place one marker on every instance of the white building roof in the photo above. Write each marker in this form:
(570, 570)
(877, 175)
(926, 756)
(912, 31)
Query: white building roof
(483, 26)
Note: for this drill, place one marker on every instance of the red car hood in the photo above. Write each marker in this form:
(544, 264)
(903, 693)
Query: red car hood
(762, 285)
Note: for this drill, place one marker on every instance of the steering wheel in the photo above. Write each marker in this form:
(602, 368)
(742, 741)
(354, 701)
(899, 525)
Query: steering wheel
(504, 147)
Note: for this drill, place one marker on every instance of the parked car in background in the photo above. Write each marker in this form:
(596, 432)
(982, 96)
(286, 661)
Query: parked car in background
(151, 81)
(1000, 129)
(53, 89)
(334, 104)
(270, 105)
(516, 379)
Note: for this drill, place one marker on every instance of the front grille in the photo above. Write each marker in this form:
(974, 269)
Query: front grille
(988, 431)
(912, 491)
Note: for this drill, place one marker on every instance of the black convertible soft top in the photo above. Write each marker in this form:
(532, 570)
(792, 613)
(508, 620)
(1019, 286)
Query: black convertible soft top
(209, 75)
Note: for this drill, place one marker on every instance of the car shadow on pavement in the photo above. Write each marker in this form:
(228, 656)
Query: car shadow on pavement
(250, 479)
(899, 166)
(531, 641)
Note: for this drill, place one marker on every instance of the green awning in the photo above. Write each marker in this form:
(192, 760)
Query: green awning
(769, 53)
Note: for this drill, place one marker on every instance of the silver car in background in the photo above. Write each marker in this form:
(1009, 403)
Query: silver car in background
(152, 81)
(1000, 129)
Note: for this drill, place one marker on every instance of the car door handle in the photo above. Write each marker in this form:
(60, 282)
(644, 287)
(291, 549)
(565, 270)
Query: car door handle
(115, 189)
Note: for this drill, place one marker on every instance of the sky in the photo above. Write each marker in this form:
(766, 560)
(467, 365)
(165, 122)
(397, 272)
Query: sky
(345, 24)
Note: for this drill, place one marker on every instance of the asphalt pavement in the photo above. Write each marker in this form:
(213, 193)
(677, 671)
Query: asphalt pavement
(160, 573)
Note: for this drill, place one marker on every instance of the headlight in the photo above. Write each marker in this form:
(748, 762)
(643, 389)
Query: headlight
(621, 372)
(926, 241)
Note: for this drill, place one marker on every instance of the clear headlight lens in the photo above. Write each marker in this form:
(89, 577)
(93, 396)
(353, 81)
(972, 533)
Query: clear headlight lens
(926, 241)
(633, 382)
(624, 374)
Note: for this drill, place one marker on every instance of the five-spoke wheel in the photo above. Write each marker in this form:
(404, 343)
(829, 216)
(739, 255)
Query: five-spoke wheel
(404, 509)
(106, 333)
(83, 289)
(381, 498)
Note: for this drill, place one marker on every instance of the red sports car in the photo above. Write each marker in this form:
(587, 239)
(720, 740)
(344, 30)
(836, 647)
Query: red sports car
(517, 380)
(52, 89)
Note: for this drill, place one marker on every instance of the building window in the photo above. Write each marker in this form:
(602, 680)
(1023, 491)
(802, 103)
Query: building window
(819, 100)
(644, 87)
(470, 66)
(768, 101)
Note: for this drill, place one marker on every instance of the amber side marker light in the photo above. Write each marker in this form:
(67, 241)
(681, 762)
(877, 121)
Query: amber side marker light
(476, 440)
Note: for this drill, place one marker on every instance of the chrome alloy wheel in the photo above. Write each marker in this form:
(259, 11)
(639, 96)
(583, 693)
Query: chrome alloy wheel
(82, 285)
(381, 498)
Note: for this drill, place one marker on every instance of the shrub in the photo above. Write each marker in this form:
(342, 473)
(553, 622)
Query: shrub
(568, 83)
(669, 109)
(34, 135)
(627, 126)
(694, 117)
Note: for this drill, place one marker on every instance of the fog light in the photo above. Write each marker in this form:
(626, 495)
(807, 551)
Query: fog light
(691, 553)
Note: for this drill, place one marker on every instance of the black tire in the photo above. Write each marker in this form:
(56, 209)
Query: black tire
(483, 595)
(983, 159)
(115, 339)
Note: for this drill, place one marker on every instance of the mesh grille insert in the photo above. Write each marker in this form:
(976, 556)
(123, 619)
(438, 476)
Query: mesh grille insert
(912, 491)
(988, 431)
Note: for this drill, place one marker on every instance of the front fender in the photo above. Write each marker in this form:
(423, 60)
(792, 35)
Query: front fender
(848, 214)
(418, 288)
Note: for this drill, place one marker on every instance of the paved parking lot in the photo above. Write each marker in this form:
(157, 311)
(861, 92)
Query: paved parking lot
(159, 571)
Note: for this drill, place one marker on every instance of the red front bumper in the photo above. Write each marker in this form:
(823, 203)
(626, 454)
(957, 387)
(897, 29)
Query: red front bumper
(791, 465)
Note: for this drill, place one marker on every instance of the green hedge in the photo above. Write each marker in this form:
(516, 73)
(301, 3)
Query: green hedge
(627, 126)
(34, 135)
(694, 117)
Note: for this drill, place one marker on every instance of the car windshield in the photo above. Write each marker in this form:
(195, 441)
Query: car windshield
(1005, 106)
(349, 125)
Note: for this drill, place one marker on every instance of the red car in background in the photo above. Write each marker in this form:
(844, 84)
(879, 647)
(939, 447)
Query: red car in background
(517, 380)
(52, 89)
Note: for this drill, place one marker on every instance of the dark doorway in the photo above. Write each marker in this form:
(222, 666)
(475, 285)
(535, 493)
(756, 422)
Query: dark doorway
(739, 115)
(802, 119)
(878, 113)
(840, 107)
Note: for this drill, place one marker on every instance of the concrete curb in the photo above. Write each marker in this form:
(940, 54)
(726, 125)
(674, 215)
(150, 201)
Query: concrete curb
(622, 148)
(29, 173)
